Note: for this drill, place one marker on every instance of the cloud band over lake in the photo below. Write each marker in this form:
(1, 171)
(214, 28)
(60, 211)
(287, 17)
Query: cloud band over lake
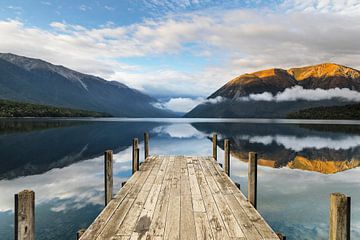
(299, 93)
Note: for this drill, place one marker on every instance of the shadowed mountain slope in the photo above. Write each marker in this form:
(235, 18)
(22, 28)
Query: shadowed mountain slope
(36, 81)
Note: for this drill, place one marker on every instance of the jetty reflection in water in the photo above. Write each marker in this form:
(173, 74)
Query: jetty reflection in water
(62, 161)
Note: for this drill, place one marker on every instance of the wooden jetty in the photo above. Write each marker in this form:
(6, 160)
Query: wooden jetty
(179, 197)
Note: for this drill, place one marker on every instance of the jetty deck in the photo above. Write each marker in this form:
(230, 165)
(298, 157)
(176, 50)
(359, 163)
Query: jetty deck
(179, 197)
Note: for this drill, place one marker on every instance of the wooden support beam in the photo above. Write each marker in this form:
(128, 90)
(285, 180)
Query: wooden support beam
(252, 178)
(339, 225)
(80, 233)
(135, 160)
(146, 145)
(227, 156)
(108, 173)
(214, 142)
(25, 215)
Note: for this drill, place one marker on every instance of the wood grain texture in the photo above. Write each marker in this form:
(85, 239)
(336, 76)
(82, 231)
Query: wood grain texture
(146, 145)
(227, 156)
(108, 175)
(339, 217)
(214, 146)
(252, 179)
(25, 215)
(179, 197)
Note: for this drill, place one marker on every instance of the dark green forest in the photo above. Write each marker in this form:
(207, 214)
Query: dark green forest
(348, 112)
(19, 109)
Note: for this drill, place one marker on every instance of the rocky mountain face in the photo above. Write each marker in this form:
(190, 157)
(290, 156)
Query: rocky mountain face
(323, 76)
(36, 81)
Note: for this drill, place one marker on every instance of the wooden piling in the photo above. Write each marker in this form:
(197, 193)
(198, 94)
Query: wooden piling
(339, 226)
(146, 145)
(135, 160)
(227, 156)
(25, 215)
(80, 233)
(214, 141)
(108, 173)
(252, 178)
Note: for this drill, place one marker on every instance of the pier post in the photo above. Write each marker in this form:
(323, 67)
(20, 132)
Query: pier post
(135, 145)
(25, 215)
(214, 142)
(108, 172)
(339, 225)
(252, 178)
(227, 156)
(80, 233)
(135, 160)
(146, 145)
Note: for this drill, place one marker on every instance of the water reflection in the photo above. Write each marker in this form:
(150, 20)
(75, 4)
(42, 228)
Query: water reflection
(62, 162)
(57, 145)
(291, 145)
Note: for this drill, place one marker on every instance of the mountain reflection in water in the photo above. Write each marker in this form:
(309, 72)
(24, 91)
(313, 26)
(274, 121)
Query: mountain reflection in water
(300, 147)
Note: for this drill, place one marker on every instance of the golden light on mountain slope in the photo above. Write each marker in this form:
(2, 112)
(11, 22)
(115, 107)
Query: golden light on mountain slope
(265, 73)
(325, 167)
(317, 71)
(303, 163)
(323, 70)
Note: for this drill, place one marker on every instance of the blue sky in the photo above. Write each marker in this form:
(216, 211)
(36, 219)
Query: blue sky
(181, 50)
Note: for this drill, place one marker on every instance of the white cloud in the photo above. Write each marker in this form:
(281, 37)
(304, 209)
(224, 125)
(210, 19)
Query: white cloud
(180, 130)
(181, 104)
(301, 143)
(239, 40)
(324, 6)
(299, 93)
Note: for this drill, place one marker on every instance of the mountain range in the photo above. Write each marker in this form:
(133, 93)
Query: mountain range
(274, 93)
(32, 80)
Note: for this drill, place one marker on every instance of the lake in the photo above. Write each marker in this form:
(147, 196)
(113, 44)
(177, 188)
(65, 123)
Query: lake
(300, 164)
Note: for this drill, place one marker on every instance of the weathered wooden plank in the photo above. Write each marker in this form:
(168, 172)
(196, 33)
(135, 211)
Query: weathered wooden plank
(187, 222)
(215, 221)
(146, 217)
(229, 219)
(157, 226)
(263, 228)
(99, 223)
(129, 223)
(203, 230)
(197, 200)
(119, 213)
(243, 220)
(172, 228)
(218, 176)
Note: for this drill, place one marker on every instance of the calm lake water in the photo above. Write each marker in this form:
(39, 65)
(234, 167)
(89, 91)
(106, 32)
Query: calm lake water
(301, 163)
